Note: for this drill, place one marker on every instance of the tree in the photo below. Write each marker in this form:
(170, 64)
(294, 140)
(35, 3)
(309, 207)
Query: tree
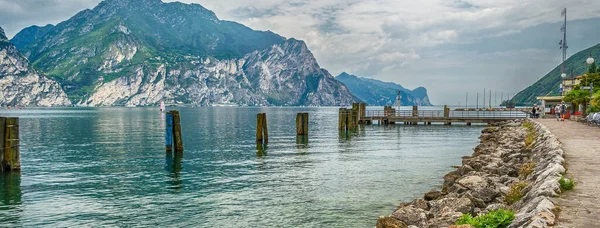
(577, 97)
(596, 100)
(592, 68)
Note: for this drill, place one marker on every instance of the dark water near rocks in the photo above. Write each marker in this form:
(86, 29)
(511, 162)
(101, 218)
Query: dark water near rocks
(108, 167)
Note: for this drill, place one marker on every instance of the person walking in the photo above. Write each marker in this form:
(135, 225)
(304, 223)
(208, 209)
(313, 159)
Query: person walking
(557, 112)
(533, 111)
(563, 111)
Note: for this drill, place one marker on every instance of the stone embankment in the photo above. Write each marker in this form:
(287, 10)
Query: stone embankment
(516, 167)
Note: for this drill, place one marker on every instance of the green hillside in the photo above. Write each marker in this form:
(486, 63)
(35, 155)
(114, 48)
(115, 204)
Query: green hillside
(549, 84)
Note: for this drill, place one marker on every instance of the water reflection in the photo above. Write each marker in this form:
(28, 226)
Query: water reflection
(302, 141)
(261, 149)
(10, 198)
(173, 166)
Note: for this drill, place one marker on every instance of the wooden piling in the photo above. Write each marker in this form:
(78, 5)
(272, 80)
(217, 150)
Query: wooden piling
(169, 132)
(446, 111)
(2, 136)
(468, 124)
(11, 159)
(363, 110)
(177, 137)
(262, 132)
(302, 124)
(342, 119)
(415, 112)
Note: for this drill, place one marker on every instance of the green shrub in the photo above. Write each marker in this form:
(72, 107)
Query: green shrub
(514, 194)
(566, 183)
(494, 219)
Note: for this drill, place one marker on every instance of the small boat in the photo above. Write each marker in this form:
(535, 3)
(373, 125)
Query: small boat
(162, 106)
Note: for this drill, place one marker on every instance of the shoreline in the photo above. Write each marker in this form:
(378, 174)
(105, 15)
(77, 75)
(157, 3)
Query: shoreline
(516, 167)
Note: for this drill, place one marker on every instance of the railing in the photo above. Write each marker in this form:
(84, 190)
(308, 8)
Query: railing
(451, 114)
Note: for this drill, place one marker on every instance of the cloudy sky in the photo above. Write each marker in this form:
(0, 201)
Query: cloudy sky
(448, 46)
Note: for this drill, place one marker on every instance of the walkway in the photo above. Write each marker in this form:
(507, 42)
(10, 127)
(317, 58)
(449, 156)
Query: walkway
(580, 207)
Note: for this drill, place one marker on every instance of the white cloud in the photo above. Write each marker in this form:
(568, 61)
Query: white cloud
(375, 38)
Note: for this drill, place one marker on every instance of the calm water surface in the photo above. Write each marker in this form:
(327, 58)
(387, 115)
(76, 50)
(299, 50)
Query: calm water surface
(108, 167)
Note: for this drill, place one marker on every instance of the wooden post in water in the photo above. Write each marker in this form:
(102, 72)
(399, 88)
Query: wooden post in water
(342, 119)
(2, 137)
(415, 112)
(363, 110)
(177, 137)
(355, 114)
(11, 159)
(169, 132)
(262, 132)
(302, 124)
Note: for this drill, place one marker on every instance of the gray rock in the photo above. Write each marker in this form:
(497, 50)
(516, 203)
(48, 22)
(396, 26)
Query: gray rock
(432, 195)
(462, 205)
(410, 215)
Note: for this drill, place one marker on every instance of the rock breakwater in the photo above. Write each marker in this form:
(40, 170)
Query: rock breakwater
(516, 167)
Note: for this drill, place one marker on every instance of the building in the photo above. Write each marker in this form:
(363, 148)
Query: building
(548, 102)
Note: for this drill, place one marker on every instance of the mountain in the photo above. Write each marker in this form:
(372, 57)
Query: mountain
(21, 84)
(141, 52)
(29, 34)
(379, 93)
(549, 84)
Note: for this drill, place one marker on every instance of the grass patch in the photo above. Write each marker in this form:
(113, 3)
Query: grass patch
(566, 184)
(526, 170)
(514, 194)
(531, 134)
(498, 219)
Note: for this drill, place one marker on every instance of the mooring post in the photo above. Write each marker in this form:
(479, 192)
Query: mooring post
(259, 128)
(265, 129)
(262, 132)
(177, 137)
(342, 119)
(11, 159)
(302, 124)
(363, 110)
(2, 137)
(356, 113)
(446, 111)
(415, 112)
(169, 132)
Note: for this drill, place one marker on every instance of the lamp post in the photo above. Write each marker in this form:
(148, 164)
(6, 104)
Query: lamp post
(589, 61)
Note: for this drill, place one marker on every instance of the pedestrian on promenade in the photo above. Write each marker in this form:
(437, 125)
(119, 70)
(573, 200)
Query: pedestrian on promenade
(563, 111)
(533, 111)
(557, 112)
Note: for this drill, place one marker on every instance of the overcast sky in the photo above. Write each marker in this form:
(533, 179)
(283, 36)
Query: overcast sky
(448, 46)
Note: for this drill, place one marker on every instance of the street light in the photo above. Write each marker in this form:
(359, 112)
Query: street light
(590, 60)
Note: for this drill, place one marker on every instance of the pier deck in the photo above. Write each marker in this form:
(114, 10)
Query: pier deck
(439, 116)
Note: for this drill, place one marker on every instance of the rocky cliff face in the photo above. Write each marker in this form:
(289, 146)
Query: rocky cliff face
(139, 52)
(23, 86)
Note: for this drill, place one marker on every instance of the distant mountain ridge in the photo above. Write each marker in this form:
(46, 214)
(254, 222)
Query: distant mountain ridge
(141, 52)
(29, 34)
(379, 93)
(549, 84)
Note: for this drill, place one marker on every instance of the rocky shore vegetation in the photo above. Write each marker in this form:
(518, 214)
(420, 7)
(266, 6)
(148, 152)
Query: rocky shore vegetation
(509, 181)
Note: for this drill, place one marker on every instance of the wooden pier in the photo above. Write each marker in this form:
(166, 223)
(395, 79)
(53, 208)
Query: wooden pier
(351, 117)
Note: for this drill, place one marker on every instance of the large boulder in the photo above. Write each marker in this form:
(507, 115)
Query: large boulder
(462, 205)
(411, 215)
(389, 222)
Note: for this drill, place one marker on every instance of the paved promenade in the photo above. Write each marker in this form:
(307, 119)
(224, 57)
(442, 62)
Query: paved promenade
(580, 207)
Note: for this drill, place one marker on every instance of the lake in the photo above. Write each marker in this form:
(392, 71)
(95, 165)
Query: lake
(108, 167)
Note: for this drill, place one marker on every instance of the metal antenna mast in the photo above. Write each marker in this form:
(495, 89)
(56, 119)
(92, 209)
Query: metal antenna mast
(563, 42)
